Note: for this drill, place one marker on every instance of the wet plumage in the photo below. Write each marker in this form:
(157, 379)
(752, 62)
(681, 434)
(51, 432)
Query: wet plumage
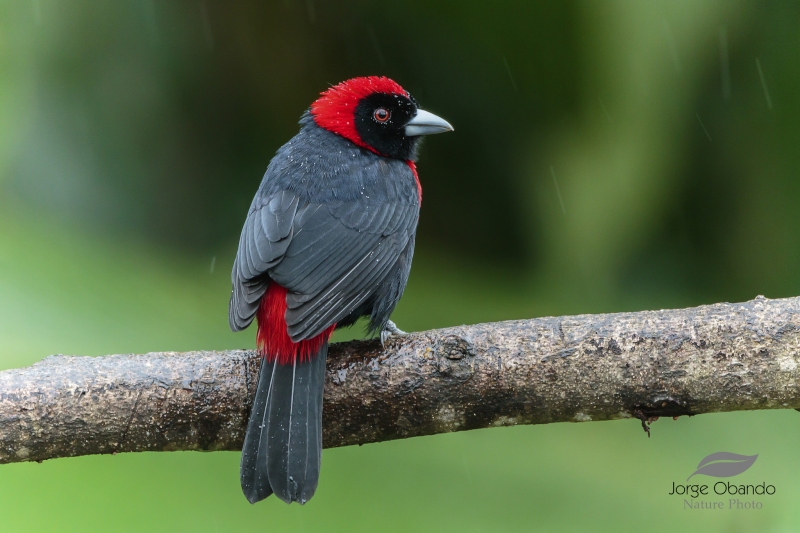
(328, 238)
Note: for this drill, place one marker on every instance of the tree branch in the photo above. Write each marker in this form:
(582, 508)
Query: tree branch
(723, 357)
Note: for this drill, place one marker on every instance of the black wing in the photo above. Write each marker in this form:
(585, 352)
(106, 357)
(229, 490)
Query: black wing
(265, 237)
(330, 256)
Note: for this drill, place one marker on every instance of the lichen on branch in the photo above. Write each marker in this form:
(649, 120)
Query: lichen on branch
(722, 357)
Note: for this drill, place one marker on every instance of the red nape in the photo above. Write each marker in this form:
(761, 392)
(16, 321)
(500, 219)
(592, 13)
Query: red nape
(413, 167)
(335, 110)
(272, 338)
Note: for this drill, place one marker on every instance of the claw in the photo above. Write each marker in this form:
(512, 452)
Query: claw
(389, 330)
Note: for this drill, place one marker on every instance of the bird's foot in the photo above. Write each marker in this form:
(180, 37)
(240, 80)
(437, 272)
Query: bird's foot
(389, 330)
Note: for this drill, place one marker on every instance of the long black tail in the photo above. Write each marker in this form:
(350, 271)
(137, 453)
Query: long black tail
(283, 444)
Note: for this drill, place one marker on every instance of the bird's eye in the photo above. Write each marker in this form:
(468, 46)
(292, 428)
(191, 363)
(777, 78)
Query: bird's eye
(381, 114)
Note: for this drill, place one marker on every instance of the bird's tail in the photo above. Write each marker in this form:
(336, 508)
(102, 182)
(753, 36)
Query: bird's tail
(283, 444)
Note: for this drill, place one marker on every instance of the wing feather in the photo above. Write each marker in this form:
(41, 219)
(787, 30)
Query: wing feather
(331, 256)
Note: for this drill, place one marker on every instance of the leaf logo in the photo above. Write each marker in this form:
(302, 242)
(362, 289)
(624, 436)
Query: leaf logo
(724, 464)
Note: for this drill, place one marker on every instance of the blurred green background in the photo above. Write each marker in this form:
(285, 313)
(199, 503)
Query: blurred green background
(608, 156)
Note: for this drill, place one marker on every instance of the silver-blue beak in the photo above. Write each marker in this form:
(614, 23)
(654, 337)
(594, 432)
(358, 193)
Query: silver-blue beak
(425, 123)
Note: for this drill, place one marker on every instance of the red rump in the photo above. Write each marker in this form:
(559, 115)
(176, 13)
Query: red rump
(273, 339)
(335, 110)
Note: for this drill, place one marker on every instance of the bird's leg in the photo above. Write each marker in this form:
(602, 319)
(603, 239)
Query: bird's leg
(389, 330)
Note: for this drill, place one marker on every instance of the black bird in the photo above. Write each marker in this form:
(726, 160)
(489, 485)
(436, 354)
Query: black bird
(328, 239)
